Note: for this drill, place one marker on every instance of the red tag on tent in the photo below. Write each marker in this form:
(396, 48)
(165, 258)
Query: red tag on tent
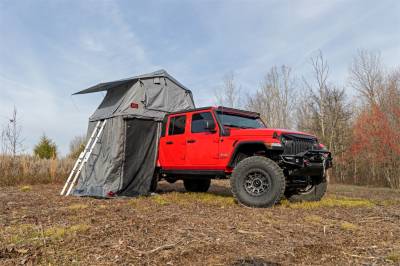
(134, 105)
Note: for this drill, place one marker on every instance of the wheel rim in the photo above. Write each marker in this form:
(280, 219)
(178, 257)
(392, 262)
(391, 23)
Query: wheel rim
(257, 183)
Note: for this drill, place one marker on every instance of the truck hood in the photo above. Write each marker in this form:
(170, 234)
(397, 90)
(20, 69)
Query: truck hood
(267, 132)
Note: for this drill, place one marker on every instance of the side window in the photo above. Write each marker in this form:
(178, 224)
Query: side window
(177, 125)
(202, 122)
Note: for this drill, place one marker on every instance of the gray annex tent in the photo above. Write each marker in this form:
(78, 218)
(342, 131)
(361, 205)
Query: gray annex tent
(123, 161)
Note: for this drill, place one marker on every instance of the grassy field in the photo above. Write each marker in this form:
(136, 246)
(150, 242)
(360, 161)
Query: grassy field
(352, 225)
(25, 169)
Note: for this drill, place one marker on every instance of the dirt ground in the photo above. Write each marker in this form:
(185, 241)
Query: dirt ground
(352, 225)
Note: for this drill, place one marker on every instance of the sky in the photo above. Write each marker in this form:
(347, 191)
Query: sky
(51, 49)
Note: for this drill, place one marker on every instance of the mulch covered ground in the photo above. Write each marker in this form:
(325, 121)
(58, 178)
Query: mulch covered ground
(352, 225)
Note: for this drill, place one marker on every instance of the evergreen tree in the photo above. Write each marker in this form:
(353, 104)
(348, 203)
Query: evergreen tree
(46, 148)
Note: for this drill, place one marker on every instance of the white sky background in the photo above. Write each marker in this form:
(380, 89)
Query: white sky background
(50, 49)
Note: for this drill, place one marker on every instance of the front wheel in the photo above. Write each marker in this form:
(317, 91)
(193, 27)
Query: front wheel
(197, 185)
(258, 182)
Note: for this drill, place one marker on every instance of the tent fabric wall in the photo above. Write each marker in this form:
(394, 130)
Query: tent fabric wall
(111, 102)
(123, 162)
(153, 100)
(103, 171)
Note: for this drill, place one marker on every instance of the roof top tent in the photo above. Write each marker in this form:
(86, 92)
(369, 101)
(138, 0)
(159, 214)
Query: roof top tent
(123, 161)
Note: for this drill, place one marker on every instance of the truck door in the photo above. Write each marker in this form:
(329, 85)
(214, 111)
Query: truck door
(202, 141)
(173, 144)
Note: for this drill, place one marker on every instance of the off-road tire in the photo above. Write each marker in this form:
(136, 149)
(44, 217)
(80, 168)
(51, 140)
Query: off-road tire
(197, 185)
(315, 194)
(266, 167)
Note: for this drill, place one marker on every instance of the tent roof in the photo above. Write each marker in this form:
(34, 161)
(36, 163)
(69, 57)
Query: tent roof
(113, 84)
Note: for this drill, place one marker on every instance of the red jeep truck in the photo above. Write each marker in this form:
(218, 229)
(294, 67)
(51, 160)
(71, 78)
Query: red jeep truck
(263, 164)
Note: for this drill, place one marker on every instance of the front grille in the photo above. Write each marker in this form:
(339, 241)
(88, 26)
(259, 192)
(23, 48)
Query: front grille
(294, 144)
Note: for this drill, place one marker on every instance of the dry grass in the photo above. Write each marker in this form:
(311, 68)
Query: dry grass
(174, 227)
(29, 170)
(349, 226)
(34, 234)
(25, 188)
(394, 257)
(314, 219)
(329, 202)
(60, 232)
(190, 198)
(77, 206)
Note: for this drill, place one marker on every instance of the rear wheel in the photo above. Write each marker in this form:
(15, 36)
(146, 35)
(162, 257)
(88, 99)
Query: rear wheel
(197, 185)
(257, 182)
(314, 192)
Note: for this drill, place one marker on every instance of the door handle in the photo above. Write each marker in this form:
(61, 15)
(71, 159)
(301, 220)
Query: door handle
(191, 141)
(169, 142)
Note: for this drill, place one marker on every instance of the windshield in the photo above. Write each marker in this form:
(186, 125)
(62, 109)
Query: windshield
(234, 120)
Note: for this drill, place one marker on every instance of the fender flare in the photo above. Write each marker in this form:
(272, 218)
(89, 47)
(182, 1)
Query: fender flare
(240, 144)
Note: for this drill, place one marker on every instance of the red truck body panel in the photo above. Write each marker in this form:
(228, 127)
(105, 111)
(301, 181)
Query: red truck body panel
(182, 147)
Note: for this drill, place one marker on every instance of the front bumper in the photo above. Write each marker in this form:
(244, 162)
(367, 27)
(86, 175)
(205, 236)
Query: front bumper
(308, 163)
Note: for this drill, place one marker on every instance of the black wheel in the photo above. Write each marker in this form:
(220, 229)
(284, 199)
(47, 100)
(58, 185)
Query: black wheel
(197, 185)
(314, 192)
(258, 182)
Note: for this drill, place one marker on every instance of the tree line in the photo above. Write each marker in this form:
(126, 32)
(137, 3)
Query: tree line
(12, 142)
(362, 131)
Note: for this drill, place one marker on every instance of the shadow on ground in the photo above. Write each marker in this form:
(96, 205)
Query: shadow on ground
(218, 187)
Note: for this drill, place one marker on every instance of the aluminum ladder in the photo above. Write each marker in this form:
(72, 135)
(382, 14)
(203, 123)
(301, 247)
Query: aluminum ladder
(83, 157)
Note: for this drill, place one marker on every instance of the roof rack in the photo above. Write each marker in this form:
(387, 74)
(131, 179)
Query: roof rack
(222, 109)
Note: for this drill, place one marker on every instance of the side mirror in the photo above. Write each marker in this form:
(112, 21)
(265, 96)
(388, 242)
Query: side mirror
(227, 131)
(210, 126)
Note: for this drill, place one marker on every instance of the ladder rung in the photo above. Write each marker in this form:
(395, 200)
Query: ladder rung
(81, 159)
(89, 149)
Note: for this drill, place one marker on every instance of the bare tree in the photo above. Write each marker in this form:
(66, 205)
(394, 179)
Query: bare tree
(4, 149)
(366, 75)
(11, 135)
(275, 99)
(389, 95)
(76, 146)
(323, 110)
(318, 90)
(229, 94)
(304, 112)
